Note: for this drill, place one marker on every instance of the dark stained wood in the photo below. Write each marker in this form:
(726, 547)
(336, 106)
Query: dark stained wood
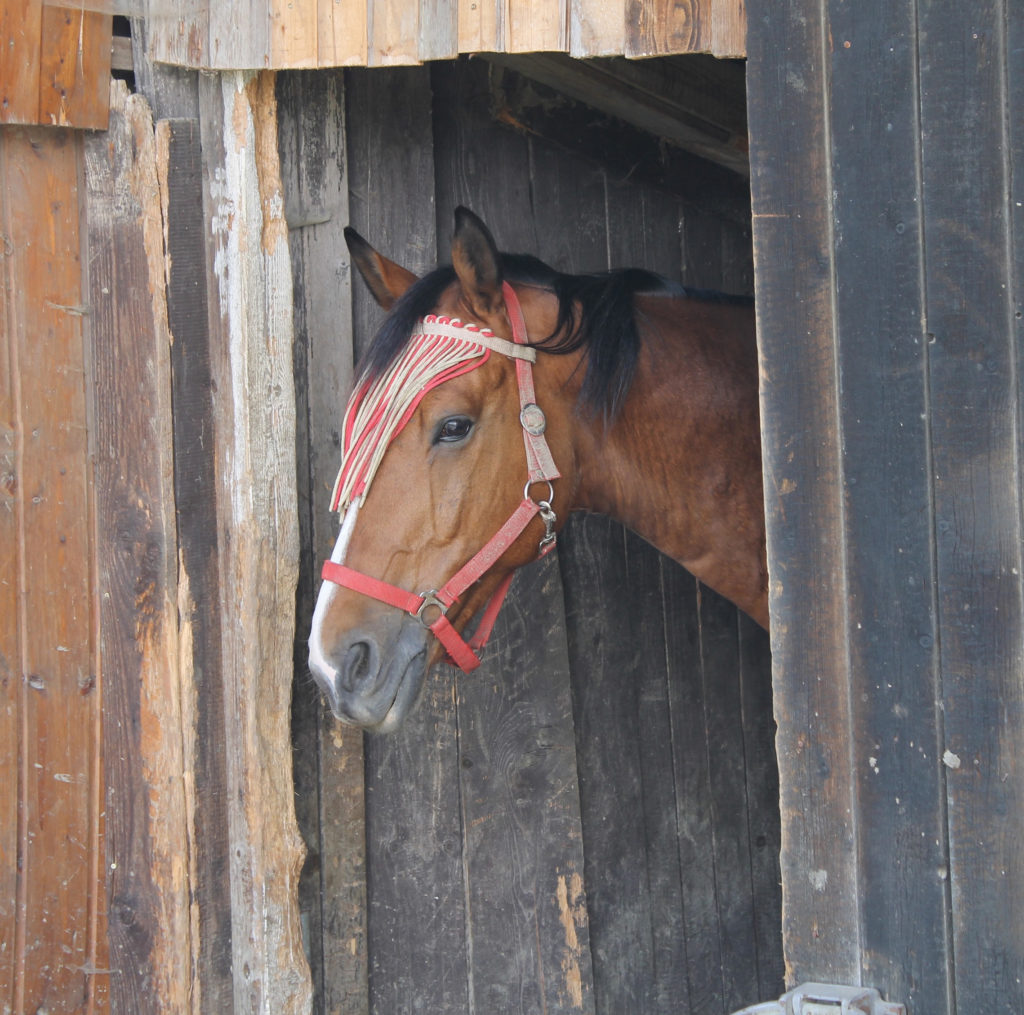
(527, 918)
(330, 780)
(897, 291)
(896, 731)
(197, 531)
(973, 292)
(789, 183)
(51, 762)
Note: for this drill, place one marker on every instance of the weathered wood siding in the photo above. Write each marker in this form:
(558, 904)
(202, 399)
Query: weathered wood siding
(52, 868)
(605, 772)
(55, 64)
(256, 34)
(886, 160)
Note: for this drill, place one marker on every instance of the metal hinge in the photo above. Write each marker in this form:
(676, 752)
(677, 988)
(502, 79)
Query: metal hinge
(827, 999)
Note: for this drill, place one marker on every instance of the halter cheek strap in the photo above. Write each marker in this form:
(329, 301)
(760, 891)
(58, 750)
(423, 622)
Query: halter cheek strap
(540, 469)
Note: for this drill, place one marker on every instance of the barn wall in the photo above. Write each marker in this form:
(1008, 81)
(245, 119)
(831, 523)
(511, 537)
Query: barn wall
(259, 34)
(886, 148)
(615, 771)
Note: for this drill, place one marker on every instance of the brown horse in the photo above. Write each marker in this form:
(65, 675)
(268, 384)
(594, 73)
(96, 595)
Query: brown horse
(648, 412)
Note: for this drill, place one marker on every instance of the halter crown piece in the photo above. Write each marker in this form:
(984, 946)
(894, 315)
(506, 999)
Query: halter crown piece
(440, 349)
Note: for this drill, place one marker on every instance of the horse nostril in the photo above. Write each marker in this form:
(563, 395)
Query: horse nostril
(358, 667)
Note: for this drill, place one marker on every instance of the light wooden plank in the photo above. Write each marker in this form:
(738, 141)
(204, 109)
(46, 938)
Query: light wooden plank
(74, 73)
(20, 33)
(294, 27)
(239, 35)
(728, 28)
(178, 33)
(537, 26)
(394, 32)
(597, 28)
(481, 26)
(439, 31)
(342, 28)
(57, 690)
(251, 366)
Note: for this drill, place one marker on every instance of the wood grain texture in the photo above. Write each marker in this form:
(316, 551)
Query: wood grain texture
(51, 684)
(803, 493)
(248, 34)
(56, 66)
(179, 168)
(251, 366)
(148, 849)
(973, 284)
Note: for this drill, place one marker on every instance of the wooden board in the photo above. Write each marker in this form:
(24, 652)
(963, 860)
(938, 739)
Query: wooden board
(250, 286)
(147, 802)
(56, 66)
(972, 286)
(51, 803)
(256, 34)
(889, 323)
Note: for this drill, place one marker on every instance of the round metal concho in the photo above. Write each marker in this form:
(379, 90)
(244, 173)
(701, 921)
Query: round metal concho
(533, 419)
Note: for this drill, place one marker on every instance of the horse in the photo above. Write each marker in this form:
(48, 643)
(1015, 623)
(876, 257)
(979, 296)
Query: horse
(498, 396)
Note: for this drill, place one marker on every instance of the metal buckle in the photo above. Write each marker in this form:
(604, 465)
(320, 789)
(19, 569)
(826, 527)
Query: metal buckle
(533, 420)
(429, 599)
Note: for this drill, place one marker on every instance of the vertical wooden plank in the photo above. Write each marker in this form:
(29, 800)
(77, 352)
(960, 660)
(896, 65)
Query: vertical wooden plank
(655, 27)
(791, 200)
(728, 35)
(394, 33)
(10, 614)
(439, 30)
(178, 32)
(179, 168)
(973, 357)
(51, 660)
(149, 861)
(482, 27)
(251, 366)
(342, 33)
(294, 25)
(895, 736)
(330, 780)
(537, 26)
(20, 34)
(526, 902)
(238, 34)
(596, 28)
(74, 72)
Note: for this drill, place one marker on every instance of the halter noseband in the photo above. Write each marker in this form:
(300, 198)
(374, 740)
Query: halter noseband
(352, 484)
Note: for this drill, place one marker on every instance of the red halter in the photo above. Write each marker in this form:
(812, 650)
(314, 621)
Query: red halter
(541, 469)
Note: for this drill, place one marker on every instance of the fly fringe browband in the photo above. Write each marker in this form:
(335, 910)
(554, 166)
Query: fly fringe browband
(440, 349)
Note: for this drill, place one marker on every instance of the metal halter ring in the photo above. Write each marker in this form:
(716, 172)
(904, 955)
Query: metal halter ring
(429, 599)
(551, 492)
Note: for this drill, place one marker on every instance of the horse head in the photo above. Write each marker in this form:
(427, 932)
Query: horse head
(448, 480)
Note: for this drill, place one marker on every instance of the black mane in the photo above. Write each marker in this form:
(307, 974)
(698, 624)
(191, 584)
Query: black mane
(595, 313)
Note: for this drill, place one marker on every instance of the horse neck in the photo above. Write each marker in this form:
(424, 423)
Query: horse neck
(681, 465)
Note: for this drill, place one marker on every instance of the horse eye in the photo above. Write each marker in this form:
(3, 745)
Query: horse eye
(453, 429)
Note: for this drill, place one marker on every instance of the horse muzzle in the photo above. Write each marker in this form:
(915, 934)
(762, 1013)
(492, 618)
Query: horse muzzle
(372, 679)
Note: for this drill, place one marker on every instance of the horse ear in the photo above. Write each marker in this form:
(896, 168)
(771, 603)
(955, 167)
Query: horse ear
(476, 262)
(386, 280)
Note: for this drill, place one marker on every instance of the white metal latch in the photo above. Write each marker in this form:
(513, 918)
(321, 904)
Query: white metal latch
(827, 999)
